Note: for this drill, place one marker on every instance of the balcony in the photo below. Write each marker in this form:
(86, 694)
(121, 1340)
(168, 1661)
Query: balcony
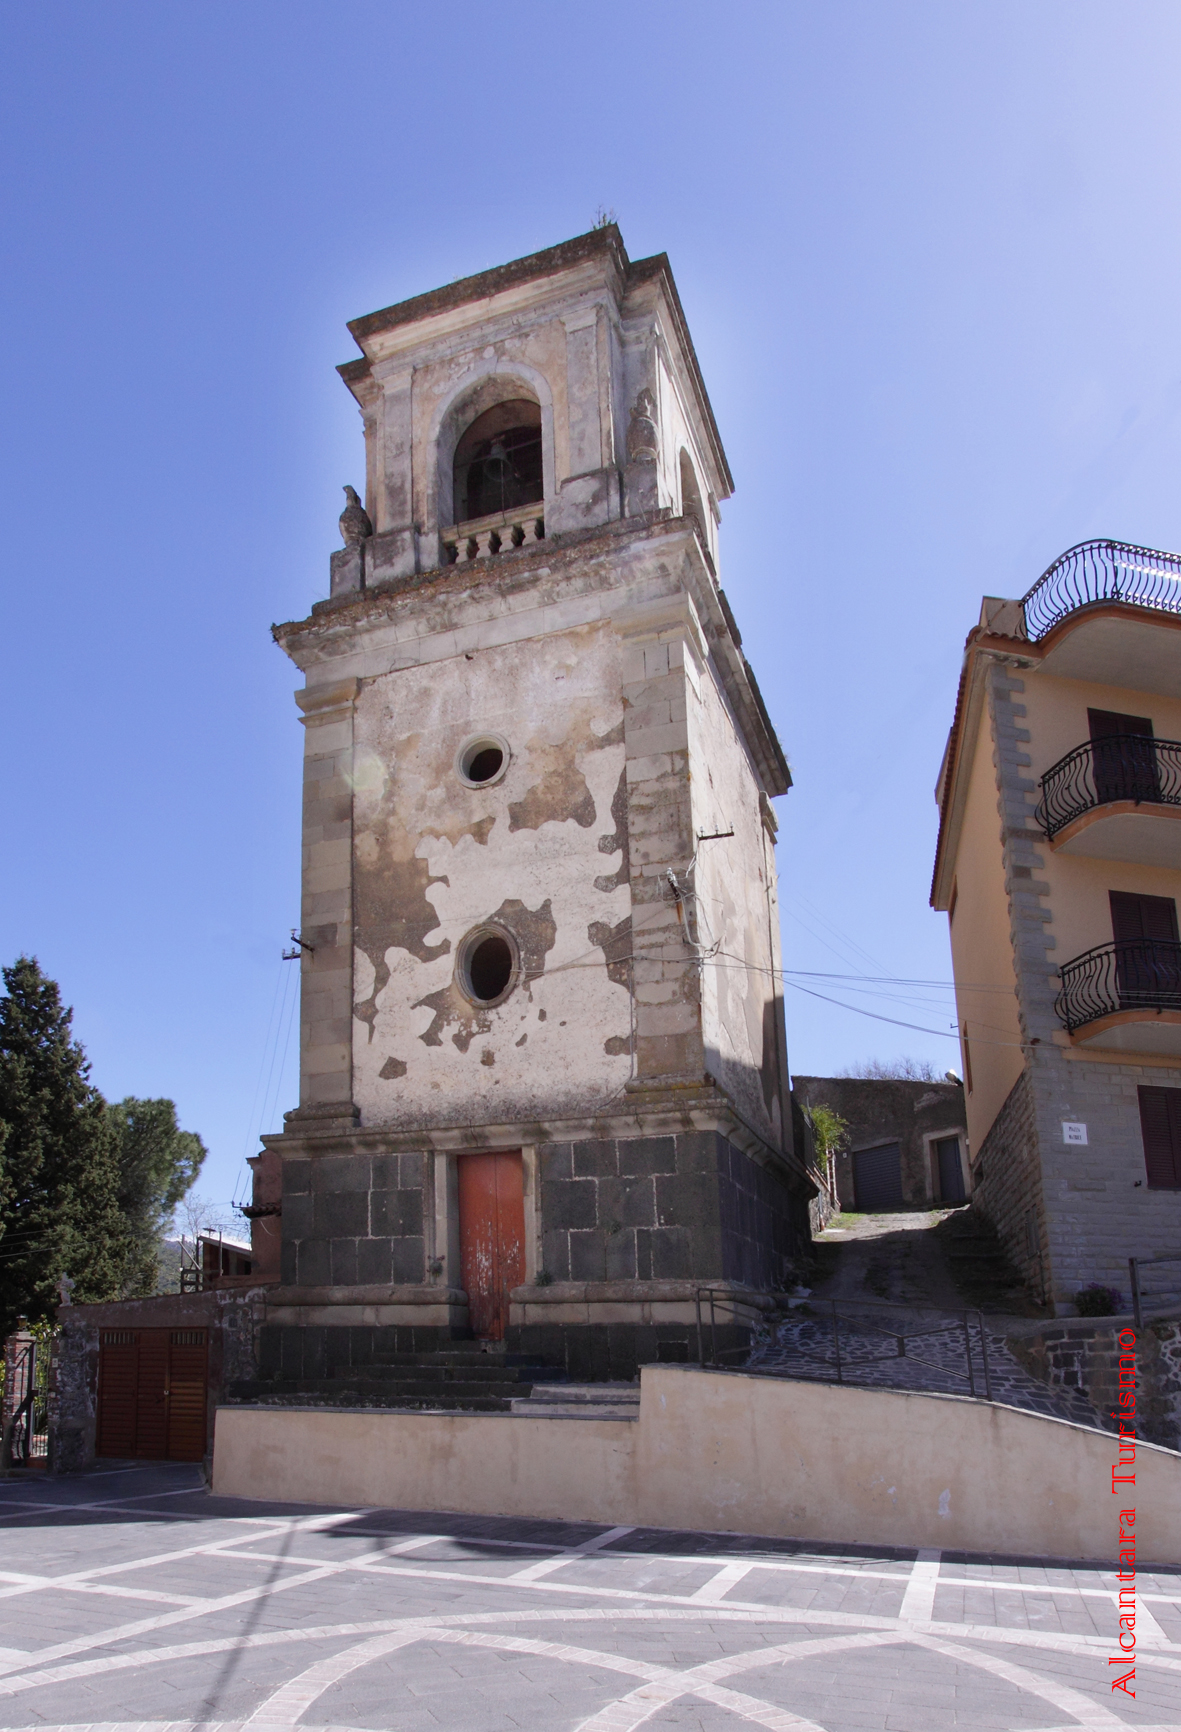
(485, 537)
(1099, 571)
(1125, 995)
(1116, 798)
(1099, 612)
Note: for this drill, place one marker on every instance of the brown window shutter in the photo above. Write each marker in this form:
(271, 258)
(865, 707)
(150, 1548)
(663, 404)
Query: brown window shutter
(1105, 724)
(1134, 917)
(1160, 1125)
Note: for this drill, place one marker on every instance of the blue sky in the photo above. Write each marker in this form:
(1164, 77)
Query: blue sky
(929, 255)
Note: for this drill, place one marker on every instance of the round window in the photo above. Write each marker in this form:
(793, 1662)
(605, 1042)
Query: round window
(487, 970)
(482, 760)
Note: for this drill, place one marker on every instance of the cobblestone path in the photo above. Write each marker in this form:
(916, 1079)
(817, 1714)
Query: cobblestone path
(134, 1601)
(936, 1358)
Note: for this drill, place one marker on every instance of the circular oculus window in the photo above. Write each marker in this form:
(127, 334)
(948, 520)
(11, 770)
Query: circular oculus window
(488, 965)
(482, 760)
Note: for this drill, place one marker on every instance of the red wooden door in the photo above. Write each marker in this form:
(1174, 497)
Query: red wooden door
(151, 1394)
(491, 1237)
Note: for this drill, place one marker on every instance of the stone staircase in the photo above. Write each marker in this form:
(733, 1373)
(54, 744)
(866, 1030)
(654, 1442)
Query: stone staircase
(980, 1267)
(471, 1377)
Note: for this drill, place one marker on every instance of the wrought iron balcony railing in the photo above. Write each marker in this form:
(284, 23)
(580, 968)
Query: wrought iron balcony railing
(1102, 571)
(1134, 974)
(1134, 767)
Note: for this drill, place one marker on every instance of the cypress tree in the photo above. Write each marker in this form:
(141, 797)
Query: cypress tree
(59, 1168)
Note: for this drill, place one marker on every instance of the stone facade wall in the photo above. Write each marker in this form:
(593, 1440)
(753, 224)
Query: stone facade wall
(1101, 1210)
(1007, 1185)
(354, 1220)
(691, 1206)
(1085, 1355)
(641, 1208)
(762, 1222)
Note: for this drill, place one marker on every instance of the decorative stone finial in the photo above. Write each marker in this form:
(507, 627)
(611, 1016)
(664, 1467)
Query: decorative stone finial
(642, 438)
(355, 526)
(65, 1287)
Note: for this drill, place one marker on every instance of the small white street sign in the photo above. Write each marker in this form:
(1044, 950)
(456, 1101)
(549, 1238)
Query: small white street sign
(1073, 1133)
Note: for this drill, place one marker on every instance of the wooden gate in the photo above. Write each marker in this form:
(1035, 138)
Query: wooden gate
(491, 1237)
(152, 1393)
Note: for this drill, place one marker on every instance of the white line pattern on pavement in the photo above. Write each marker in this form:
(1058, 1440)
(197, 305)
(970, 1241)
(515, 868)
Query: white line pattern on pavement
(603, 1596)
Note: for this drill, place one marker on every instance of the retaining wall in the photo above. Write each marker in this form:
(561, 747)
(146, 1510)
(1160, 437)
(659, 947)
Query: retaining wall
(724, 1451)
(1084, 1354)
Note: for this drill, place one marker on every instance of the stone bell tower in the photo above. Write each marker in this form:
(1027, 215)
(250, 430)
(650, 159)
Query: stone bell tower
(543, 1070)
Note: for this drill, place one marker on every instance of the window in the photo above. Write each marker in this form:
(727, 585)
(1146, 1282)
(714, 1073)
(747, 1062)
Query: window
(1160, 1127)
(1142, 917)
(482, 760)
(1123, 752)
(1147, 954)
(498, 461)
(487, 967)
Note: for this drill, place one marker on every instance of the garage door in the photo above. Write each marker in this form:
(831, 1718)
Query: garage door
(151, 1394)
(877, 1178)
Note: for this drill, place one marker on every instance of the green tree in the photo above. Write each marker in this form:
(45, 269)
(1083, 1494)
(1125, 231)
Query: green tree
(157, 1164)
(830, 1133)
(59, 1170)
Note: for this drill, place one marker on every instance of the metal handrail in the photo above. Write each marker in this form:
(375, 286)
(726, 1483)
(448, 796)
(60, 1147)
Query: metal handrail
(844, 1363)
(1133, 974)
(1136, 767)
(1097, 571)
(732, 1296)
(1135, 1264)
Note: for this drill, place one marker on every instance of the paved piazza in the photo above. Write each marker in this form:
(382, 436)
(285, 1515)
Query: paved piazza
(132, 1599)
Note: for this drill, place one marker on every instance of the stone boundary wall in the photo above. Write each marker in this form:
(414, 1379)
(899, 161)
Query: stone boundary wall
(721, 1451)
(1084, 1355)
(1007, 1188)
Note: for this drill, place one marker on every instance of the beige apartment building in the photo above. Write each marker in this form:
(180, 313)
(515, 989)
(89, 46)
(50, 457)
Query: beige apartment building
(1059, 867)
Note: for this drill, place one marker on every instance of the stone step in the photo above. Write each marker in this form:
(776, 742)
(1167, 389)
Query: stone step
(580, 1401)
(324, 1392)
(628, 1393)
(468, 1371)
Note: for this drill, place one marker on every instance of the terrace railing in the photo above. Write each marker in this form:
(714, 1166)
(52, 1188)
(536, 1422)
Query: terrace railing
(1096, 571)
(1131, 767)
(1134, 974)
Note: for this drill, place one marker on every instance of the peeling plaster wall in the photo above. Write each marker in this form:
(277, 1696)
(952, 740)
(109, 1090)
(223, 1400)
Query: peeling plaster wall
(734, 915)
(539, 851)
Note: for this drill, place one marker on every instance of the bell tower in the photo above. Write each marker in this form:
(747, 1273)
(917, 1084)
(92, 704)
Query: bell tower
(543, 1070)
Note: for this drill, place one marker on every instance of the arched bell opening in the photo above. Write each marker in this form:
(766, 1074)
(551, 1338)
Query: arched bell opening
(498, 461)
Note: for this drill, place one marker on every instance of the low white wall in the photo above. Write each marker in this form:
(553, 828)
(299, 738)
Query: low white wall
(479, 1463)
(721, 1451)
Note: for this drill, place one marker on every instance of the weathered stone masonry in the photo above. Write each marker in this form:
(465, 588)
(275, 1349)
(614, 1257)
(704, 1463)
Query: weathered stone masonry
(587, 640)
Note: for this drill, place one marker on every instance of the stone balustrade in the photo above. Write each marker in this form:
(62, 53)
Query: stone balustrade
(484, 537)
